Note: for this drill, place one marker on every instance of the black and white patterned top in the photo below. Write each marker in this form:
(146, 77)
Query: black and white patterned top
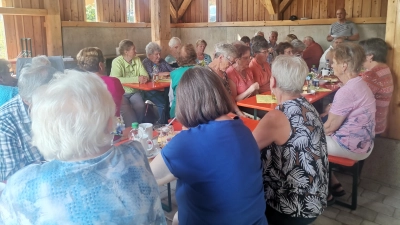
(296, 173)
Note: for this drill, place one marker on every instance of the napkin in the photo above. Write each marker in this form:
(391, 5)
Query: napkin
(323, 89)
(265, 99)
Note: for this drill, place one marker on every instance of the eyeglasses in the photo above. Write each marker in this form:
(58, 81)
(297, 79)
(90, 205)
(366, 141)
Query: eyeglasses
(230, 62)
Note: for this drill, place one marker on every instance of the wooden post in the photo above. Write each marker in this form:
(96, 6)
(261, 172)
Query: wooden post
(161, 24)
(53, 28)
(393, 39)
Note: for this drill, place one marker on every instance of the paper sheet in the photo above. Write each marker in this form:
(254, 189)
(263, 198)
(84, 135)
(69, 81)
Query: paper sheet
(323, 89)
(265, 99)
(164, 80)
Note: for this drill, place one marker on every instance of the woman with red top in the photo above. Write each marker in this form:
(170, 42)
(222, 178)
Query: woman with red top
(378, 78)
(91, 59)
(259, 66)
(241, 79)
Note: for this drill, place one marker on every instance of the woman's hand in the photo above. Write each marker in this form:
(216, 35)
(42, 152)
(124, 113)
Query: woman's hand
(143, 79)
(255, 87)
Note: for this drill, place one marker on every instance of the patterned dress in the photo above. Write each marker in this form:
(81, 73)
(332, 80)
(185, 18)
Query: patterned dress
(296, 173)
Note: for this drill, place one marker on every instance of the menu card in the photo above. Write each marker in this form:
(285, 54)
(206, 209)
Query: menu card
(265, 99)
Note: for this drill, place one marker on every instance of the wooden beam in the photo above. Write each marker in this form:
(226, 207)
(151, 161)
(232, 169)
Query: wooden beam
(22, 11)
(370, 20)
(160, 24)
(53, 28)
(182, 9)
(173, 13)
(284, 5)
(393, 57)
(269, 5)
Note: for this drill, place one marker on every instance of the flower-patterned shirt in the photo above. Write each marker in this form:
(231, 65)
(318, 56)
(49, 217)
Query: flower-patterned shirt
(296, 173)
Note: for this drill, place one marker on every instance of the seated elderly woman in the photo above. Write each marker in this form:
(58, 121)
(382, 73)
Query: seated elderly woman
(241, 78)
(378, 78)
(203, 59)
(293, 149)
(225, 56)
(284, 48)
(174, 48)
(155, 65)
(186, 60)
(129, 69)
(259, 66)
(350, 127)
(298, 47)
(91, 59)
(8, 83)
(216, 161)
(85, 180)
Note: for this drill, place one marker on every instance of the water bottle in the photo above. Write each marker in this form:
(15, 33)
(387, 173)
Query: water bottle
(314, 70)
(155, 71)
(328, 65)
(134, 133)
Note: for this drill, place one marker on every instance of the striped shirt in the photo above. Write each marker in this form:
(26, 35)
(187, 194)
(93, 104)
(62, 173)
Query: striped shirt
(16, 150)
(345, 29)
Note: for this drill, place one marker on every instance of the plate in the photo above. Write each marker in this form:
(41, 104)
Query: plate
(312, 92)
(155, 152)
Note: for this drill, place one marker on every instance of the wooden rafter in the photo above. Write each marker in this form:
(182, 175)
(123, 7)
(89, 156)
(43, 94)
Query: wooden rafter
(172, 11)
(22, 11)
(284, 5)
(270, 6)
(182, 9)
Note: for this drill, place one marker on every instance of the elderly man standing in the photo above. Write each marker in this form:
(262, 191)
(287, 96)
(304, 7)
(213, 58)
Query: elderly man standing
(272, 44)
(343, 28)
(174, 47)
(16, 150)
(312, 53)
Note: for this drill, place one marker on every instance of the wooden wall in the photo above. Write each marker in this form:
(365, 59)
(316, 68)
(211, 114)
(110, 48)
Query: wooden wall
(17, 27)
(107, 10)
(322, 9)
(242, 10)
(197, 12)
(142, 9)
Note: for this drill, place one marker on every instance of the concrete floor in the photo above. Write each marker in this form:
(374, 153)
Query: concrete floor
(378, 191)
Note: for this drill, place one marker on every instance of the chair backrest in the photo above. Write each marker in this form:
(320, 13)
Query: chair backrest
(56, 62)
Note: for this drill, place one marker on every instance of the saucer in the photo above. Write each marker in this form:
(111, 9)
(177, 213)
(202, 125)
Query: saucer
(154, 153)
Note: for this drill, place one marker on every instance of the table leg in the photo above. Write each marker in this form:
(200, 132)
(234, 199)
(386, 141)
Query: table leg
(168, 208)
(255, 114)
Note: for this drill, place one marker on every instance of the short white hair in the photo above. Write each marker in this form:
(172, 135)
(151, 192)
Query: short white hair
(32, 78)
(309, 38)
(174, 41)
(71, 116)
(227, 50)
(40, 60)
(290, 73)
(298, 46)
(152, 47)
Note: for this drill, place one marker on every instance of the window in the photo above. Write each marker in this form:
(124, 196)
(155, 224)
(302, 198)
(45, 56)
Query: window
(212, 11)
(130, 10)
(91, 15)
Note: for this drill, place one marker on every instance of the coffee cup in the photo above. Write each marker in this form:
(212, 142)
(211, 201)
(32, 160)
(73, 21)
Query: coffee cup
(146, 128)
(325, 72)
(147, 143)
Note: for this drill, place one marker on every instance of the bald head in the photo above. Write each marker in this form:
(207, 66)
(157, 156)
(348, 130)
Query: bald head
(341, 15)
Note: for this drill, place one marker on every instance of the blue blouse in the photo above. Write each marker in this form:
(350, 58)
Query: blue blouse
(117, 187)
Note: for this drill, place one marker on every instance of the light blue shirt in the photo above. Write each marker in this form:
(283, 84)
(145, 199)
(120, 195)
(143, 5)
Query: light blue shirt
(7, 93)
(117, 187)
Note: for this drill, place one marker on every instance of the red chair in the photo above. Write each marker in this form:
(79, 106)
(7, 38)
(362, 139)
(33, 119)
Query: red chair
(335, 161)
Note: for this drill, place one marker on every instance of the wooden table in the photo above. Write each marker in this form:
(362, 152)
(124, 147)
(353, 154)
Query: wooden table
(149, 86)
(252, 101)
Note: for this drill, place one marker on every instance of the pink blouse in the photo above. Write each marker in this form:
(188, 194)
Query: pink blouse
(114, 86)
(242, 83)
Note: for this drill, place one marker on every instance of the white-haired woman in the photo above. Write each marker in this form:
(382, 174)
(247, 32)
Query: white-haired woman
(154, 64)
(174, 48)
(298, 47)
(225, 56)
(293, 149)
(86, 180)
